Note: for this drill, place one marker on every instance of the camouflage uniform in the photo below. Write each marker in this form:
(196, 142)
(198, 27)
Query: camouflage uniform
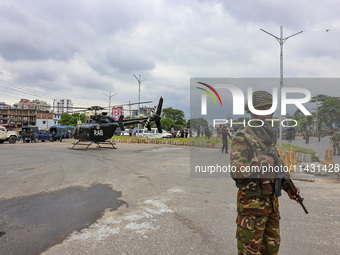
(258, 230)
(335, 139)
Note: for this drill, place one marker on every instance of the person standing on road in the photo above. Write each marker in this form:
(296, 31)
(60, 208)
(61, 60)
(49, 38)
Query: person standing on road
(32, 136)
(307, 137)
(172, 132)
(53, 136)
(23, 136)
(225, 134)
(335, 139)
(258, 229)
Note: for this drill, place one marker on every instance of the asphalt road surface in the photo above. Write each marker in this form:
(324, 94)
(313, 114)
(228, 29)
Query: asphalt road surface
(153, 204)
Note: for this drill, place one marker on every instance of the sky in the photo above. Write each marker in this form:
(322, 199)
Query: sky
(83, 50)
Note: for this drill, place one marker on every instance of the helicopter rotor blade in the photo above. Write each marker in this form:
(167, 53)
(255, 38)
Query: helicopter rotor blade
(147, 123)
(120, 122)
(118, 105)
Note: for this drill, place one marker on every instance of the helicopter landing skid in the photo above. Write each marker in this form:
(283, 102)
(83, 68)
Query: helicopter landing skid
(87, 145)
(107, 147)
(80, 148)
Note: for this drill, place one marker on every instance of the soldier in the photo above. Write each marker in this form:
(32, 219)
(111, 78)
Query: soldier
(225, 135)
(258, 230)
(307, 136)
(23, 136)
(335, 139)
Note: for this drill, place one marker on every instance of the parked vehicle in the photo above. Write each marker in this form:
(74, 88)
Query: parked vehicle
(61, 130)
(6, 135)
(44, 135)
(39, 135)
(153, 133)
(27, 130)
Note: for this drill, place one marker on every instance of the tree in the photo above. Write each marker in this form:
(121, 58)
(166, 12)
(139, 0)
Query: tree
(71, 120)
(167, 123)
(320, 98)
(198, 123)
(302, 120)
(176, 115)
(329, 111)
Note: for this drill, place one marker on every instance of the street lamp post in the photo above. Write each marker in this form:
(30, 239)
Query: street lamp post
(139, 82)
(281, 41)
(110, 96)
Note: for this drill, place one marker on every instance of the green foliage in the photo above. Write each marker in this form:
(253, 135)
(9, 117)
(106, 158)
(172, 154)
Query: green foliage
(302, 120)
(200, 122)
(176, 115)
(167, 123)
(329, 110)
(286, 146)
(71, 120)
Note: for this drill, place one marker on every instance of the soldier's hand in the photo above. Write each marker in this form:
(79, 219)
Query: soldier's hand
(293, 196)
(265, 160)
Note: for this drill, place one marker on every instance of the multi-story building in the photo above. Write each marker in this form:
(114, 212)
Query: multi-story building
(18, 117)
(21, 114)
(42, 106)
(25, 104)
(144, 111)
(117, 111)
(61, 106)
(3, 105)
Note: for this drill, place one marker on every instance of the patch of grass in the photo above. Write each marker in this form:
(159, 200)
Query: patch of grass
(286, 146)
(143, 138)
(203, 139)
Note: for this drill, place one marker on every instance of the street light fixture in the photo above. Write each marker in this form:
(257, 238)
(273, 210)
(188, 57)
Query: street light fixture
(281, 41)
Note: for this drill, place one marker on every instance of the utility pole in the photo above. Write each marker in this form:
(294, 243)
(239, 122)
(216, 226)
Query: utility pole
(281, 41)
(110, 96)
(139, 82)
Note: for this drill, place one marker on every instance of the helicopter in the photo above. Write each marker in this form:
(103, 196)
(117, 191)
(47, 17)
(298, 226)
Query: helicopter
(99, 128)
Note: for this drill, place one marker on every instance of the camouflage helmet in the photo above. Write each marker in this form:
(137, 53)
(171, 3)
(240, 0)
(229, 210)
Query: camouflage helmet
(260, 98)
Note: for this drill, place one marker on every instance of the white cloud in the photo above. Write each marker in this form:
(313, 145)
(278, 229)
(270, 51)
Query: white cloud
(83, 48)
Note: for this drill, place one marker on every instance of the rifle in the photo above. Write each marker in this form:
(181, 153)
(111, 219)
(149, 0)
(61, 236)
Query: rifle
(283, 177)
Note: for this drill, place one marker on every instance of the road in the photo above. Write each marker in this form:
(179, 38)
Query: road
(156, 207)
(319, 147)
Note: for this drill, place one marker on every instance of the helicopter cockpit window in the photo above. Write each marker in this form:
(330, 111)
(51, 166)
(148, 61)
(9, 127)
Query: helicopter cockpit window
(83, 131)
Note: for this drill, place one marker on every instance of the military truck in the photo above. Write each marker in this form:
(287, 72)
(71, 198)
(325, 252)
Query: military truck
(6, 135)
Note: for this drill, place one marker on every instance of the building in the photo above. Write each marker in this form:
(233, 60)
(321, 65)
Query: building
(144, 111)
(18, 117)
(61, 106)
(117, 112)
(21, 114)
(3, 105)
(25, 104)
(42, 106)
(44, 120)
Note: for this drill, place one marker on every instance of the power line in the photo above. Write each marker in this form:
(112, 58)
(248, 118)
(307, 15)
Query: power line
(21, 91)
